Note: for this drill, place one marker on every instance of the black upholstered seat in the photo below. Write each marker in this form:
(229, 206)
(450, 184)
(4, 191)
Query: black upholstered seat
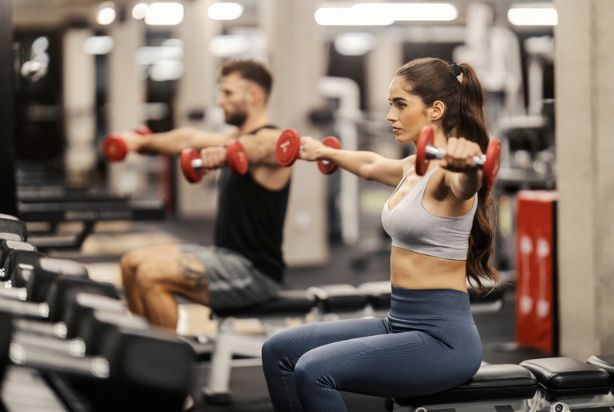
(491, 382)
(565, 376)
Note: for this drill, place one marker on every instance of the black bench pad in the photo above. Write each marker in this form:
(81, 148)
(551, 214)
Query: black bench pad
(568, 377)
(339, 298)
(286, 303)
(604, 362)
(505, 381)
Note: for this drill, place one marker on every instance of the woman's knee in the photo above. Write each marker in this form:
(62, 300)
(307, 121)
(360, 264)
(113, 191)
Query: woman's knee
(274, 348)
(310, 370)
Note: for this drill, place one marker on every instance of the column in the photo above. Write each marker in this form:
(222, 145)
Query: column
(584, 99)
(297, 61)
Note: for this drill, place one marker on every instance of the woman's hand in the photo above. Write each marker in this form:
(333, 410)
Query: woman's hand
(460, 154)
(311, 148)
(213, 157)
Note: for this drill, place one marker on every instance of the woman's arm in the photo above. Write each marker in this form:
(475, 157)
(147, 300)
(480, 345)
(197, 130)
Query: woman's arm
(368, 165)
(461, 177)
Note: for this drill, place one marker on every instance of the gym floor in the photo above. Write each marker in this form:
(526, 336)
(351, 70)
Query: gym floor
(247, 382)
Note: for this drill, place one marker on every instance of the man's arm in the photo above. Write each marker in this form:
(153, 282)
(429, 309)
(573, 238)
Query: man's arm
(174, 141)
(260, 147)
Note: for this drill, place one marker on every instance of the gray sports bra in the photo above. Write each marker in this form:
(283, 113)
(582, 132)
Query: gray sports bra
(413, 228)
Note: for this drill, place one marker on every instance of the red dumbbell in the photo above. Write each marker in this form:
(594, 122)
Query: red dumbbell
(489, 163)
(288, 149)
(115, 148)
(192, 164)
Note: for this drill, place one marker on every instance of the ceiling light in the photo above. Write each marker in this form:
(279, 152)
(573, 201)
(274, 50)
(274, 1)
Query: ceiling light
(350, 16)
(224, 11)
(106, 14)
(538, 14)
(164, 14)
(354, 44)
(98, 45)
(139, 11)
(411, 11)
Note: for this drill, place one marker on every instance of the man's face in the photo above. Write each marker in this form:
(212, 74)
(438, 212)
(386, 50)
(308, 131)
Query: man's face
(235, 98)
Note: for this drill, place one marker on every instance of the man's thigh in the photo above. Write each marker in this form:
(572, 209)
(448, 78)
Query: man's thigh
(141, 255)
(178, 273)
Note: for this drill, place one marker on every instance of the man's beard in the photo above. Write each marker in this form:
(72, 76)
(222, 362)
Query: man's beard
(236, 119)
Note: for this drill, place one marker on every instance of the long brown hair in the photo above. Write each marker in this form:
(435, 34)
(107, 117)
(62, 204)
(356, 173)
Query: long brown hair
(458, 87)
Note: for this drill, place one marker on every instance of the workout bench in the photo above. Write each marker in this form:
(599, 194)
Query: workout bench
(321, 303)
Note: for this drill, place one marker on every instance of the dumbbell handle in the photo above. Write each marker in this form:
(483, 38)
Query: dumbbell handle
(433, 152)
(20, 294)
(198, 164)
(58, 329)
(36, 310)
(72, 347)
(21, 354)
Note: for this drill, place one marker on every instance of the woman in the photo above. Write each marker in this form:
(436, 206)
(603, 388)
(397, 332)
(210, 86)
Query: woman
(441, 237)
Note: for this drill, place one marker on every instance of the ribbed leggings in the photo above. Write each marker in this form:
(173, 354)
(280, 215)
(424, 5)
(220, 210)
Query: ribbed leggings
(428, 343)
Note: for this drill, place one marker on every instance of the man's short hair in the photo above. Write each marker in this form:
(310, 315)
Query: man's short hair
(250, 70)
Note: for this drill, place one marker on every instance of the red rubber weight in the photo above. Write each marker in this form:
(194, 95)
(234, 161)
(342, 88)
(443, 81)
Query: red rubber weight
(187, 167)
(326, 166)
(114, 148)
(236, 157)
(288, 147)
(427, 138)
(491, 165)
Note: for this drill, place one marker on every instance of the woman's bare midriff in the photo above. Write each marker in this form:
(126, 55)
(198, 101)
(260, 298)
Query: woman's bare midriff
(411, 270)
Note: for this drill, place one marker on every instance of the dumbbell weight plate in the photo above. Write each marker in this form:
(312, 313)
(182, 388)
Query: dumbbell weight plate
(491, 165)
(114, 148)
(288, 147)
(236, 157)
(325, 166)
(189, 171)
(427, 137)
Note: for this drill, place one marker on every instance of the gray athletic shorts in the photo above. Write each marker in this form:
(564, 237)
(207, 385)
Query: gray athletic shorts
(232, 279)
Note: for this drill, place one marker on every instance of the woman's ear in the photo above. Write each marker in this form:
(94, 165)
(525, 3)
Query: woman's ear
(438, 110)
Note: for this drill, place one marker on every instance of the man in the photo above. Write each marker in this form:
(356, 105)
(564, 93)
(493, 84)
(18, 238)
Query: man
(245, 266)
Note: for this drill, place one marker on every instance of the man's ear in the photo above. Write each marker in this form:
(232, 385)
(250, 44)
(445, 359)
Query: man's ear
(255, 94)
(438, 110)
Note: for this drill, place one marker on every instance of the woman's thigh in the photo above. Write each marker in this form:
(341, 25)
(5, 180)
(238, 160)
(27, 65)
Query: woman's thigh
(397, 364)
(294, 342)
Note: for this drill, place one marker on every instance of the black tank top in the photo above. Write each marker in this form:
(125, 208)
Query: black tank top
(250, 220)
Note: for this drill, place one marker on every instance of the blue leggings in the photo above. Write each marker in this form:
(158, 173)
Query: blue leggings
(428, 343)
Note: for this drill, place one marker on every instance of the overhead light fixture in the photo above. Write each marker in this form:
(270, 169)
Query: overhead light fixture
(351, 16)
(536, 14)
(164, 14)
(98, 45)
(229, 45)
(354, 43)
(106, 14)
(411, 11)
(384, 14)
(139, 11)
(224, 11)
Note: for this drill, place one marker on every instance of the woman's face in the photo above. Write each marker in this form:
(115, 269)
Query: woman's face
(407, 113)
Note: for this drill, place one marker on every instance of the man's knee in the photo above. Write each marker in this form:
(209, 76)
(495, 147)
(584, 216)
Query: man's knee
(147, 275)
